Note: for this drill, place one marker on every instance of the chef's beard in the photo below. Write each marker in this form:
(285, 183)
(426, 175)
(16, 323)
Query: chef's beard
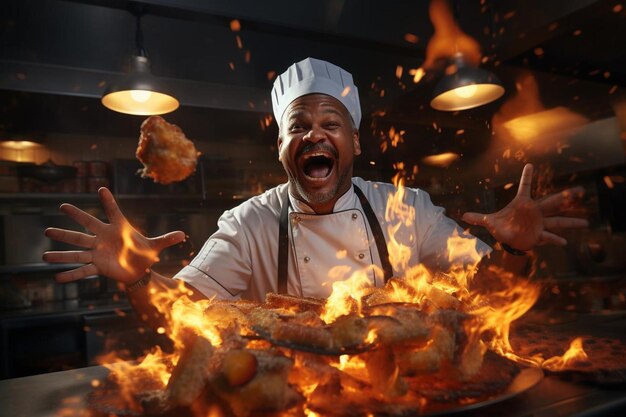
(319, 197)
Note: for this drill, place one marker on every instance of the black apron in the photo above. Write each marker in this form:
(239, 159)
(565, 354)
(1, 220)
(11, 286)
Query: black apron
(283, 240)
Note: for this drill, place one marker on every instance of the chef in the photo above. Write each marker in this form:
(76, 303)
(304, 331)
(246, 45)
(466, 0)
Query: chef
(322, 226)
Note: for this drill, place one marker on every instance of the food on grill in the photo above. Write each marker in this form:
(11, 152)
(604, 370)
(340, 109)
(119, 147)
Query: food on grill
(269, 389)
(191, 372)
(166, 154)
(239, 367)
(292, 303)
(381, 357)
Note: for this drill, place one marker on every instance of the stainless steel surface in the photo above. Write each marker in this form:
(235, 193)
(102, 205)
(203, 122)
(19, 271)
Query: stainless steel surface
(49, 395)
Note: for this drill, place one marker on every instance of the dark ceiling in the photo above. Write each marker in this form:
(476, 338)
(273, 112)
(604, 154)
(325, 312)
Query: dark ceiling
(57, 56)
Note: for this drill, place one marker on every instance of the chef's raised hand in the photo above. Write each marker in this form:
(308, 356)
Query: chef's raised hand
(525, 223)
(115, 250)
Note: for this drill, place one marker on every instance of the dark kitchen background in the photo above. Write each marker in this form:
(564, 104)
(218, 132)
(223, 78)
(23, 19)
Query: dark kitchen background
(562, 63)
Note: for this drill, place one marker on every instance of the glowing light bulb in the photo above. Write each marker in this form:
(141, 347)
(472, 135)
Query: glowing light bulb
(140, 96)
(466, 91)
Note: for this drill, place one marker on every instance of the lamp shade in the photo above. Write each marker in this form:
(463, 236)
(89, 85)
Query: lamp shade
(467, 88)
(139, 92)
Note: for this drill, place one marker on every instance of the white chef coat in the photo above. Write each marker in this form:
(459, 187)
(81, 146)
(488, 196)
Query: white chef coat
(240, 260)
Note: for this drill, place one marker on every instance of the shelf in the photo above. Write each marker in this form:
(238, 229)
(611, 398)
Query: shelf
(36, 268)
(48, 196)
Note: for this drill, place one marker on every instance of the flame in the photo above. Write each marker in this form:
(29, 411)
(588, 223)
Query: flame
(346, 296)
(574, 354)
(129, 375)
(498, 309)
(130, 249)
(524, 118)
(448, 39)
(492, 309)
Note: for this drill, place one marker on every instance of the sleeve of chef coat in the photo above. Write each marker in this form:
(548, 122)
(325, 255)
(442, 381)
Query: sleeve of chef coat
(222, 267)
(435, 229)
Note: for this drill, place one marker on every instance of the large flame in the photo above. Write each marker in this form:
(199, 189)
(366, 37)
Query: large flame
(491, 310)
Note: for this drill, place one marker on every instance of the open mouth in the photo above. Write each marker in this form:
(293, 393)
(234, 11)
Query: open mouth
(318, 166)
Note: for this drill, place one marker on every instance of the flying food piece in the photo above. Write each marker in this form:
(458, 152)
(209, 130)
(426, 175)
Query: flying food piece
(166, 154)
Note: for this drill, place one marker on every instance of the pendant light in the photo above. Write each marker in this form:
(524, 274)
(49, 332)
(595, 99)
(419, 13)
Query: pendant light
(467, 87)
(139, 92)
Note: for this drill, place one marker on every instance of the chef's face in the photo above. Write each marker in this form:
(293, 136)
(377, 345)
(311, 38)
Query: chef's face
(317, 143)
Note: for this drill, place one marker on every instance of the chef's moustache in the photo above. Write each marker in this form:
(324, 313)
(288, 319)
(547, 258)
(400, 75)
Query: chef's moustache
(319, 146)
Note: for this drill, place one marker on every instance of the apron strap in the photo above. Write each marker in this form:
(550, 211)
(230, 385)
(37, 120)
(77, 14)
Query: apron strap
(283, 240)
(283, 246)
(377, 231)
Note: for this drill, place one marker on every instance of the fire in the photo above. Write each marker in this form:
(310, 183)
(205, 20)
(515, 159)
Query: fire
(488, 311)
(523, 118)
(130, 249)
(153, 367)
(575, 354)
(498, 309)
(346, 296)
(448, 39)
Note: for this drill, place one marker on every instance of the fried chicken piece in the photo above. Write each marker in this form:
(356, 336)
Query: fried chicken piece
(350, 330)
(293, 303)
(190, 375)
(440, 349)
(166, 154)
(302, 335)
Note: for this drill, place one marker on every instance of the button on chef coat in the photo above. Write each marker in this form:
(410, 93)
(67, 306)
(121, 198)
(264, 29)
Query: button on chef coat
(331, 247)
(240, 259)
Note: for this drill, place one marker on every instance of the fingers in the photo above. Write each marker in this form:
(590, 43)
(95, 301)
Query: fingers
(167, 240)
(559, 202)
(526, 181)
(71, 237)
(111, 209)
(564, 223)
(86, 220)
(547, 237)
(78, 273)
(68, 257)
(476, 219)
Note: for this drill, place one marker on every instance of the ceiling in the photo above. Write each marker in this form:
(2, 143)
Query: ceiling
(57, 56)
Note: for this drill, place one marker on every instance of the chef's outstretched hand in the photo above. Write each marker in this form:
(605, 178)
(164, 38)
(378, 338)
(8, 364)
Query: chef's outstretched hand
(115, 250)
(525, 223)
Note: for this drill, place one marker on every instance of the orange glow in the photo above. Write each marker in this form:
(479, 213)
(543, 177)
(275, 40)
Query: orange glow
(411, 38)
(399, 70)
(523, 118)
(418, 74)
(574, 354)
(442, 160)
(448, 39)
(235, 26)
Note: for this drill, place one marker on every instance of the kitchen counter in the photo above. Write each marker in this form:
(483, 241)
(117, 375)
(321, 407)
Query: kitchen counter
(64, 394)
(49, 395)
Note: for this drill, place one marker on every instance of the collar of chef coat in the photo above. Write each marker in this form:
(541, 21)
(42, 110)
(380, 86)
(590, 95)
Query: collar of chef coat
(346, 202)
(331, 247)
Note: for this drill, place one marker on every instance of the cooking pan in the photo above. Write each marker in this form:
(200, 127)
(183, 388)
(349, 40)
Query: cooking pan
(47, 172)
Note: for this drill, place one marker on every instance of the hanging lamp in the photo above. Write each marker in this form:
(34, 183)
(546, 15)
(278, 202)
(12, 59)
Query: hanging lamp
(467, 87)
(138, 92)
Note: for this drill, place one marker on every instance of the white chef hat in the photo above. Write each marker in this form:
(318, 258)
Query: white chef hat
(315, 76)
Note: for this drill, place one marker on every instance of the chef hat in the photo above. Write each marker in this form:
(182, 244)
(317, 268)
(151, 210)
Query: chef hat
(315, 76)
